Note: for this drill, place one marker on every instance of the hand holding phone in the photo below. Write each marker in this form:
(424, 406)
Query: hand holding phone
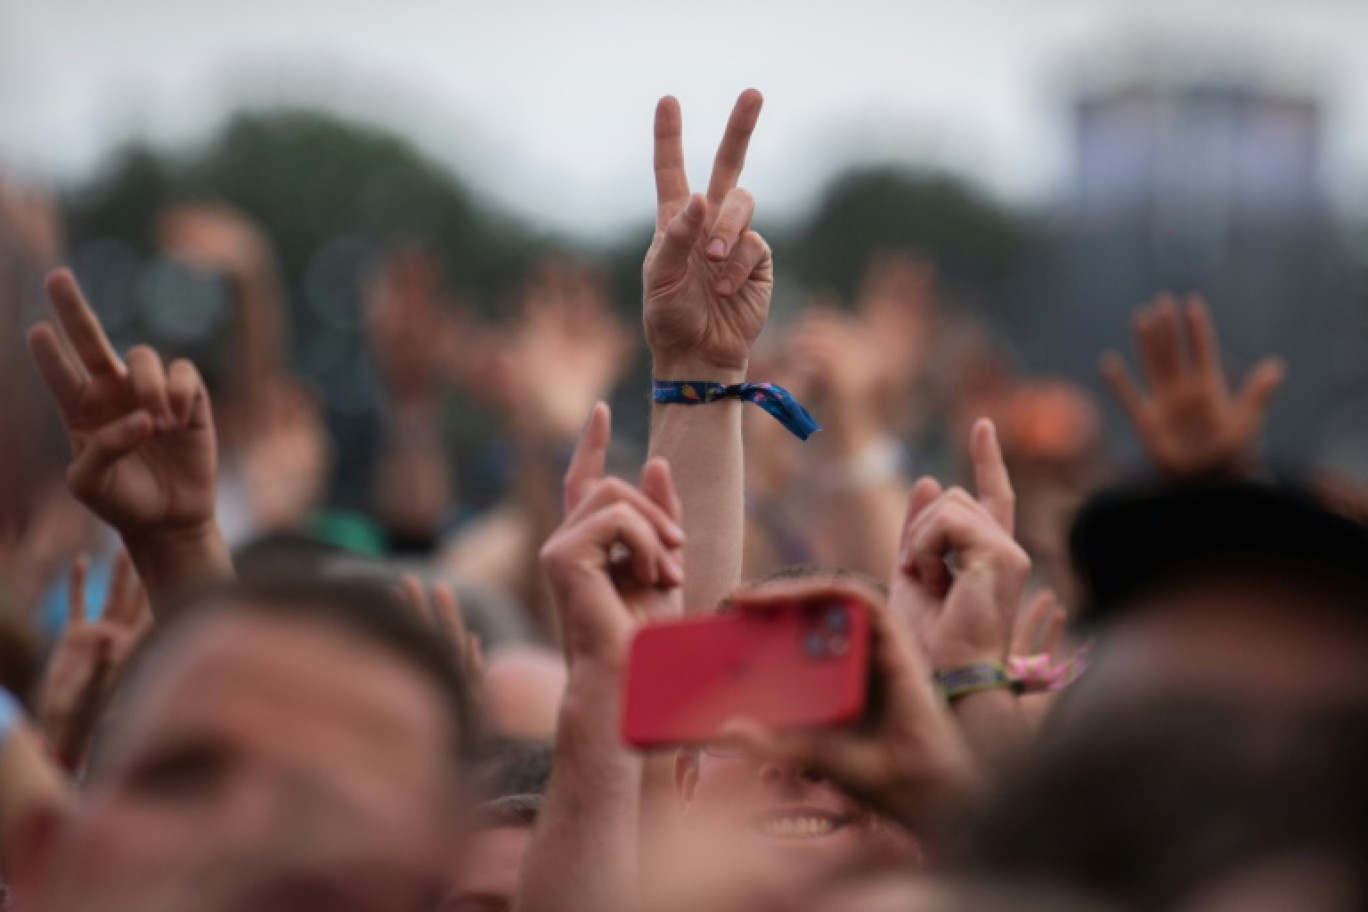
(796, 661)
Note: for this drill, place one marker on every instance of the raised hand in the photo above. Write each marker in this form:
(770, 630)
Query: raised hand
(88, 657)
(618, 556)
(144, 453)
(1191, 424)
(565, 352)
(960, 574)
(708, 276)
(142, 437)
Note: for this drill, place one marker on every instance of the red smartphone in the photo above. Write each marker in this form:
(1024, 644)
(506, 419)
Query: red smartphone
(790, 664)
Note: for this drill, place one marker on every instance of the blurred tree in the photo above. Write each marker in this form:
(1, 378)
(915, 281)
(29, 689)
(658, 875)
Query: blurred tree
(309, 177)
(974, 241)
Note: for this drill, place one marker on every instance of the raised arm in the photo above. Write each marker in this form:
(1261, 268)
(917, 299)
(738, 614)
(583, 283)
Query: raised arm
(1191, 424)
(960, 578)
(142, 440)
(616, 558)
(707, 284)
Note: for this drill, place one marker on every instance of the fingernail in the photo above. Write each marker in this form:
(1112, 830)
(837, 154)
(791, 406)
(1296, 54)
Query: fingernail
(724, 287)
(717, 248)
(137, 421)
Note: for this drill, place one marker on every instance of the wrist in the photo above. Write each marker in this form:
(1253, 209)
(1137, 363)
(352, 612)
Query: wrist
(667, 368)
(167, 559)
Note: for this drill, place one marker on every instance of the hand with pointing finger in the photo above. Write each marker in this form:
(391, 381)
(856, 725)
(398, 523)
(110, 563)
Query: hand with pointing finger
(708, 276)
(617, 558)
(963, 615)
(144, 453)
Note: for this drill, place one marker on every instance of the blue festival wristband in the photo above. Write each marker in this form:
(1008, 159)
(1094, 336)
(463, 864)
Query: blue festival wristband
(771, 397)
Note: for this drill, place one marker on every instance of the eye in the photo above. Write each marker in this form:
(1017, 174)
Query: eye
(181, 772)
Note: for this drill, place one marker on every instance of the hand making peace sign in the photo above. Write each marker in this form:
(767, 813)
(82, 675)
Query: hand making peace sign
(708, 276)
(142, 437)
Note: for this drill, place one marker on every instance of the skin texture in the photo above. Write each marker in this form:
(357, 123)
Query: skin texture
(488, 870)
(263, 763)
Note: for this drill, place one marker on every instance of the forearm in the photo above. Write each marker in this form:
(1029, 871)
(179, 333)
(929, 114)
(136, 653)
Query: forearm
(584, 854)
(703, 446)
(170, 560)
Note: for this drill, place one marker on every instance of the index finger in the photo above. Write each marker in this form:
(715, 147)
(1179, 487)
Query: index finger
(991, 480)
(672, 182)
(81, 325)
(590, 459)
(731, 153)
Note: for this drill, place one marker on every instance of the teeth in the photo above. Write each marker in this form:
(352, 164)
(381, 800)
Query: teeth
(797, 827)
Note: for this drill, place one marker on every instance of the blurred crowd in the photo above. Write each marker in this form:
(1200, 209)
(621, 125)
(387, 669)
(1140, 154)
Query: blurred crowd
(229, 686)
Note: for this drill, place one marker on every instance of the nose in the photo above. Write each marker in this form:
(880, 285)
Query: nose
(778, 775)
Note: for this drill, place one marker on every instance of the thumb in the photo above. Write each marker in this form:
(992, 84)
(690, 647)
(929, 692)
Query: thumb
(107, 446)
(672, 256)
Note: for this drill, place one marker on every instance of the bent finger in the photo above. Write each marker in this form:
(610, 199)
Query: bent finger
(106, 447)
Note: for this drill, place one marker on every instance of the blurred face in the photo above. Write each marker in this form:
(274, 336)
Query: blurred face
(488, 870)
(264, 763)
(1262, 641)
(808, 826)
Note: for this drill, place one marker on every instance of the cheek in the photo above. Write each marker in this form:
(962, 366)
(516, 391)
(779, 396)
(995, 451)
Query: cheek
(115, 847)
(721, 782)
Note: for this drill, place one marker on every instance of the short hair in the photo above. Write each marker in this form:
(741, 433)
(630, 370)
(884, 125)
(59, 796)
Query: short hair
(369, 611)
(510, 811)
(810, 571)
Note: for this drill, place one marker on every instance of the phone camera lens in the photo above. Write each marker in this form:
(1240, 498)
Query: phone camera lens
(837, 645)
(837, 619)
(815, 645)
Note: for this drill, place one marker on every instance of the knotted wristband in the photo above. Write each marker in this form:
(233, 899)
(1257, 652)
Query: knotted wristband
(771, 397)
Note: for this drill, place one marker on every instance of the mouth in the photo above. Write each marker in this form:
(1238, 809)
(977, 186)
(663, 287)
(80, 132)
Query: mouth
(798, 823)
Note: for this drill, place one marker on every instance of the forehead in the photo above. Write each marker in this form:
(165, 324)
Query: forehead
(276, 683)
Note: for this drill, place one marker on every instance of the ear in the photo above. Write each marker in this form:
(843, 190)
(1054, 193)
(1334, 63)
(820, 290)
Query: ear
(686, 779)
(35, 867)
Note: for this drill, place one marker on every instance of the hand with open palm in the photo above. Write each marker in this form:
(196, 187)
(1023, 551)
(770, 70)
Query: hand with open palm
(708, 276)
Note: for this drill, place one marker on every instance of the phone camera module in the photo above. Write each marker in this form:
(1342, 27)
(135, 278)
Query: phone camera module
(836, 619)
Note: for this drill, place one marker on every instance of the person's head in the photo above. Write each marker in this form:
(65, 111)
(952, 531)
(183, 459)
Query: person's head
(277, 746)
(784, 809)
(1190, 805)
(488, 869)
(1239, 591)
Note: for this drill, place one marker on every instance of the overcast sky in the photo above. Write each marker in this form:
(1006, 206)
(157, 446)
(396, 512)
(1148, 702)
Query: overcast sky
(546, 104)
